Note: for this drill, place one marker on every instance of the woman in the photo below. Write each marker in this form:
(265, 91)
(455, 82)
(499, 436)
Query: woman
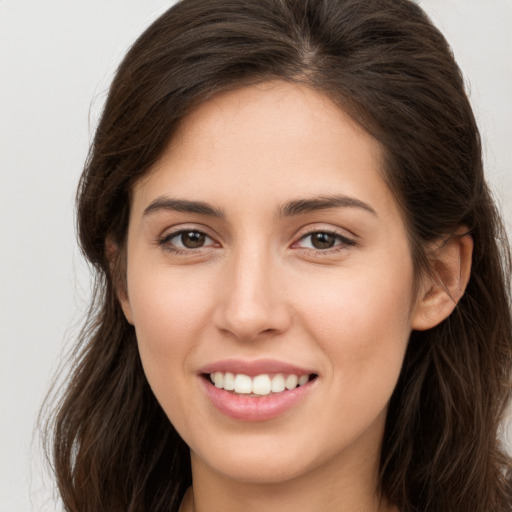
(302, 298)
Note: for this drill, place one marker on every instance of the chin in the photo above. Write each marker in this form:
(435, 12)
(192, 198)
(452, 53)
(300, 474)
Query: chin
(261, 460)
(260, 470)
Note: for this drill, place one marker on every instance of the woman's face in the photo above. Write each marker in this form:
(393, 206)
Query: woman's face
(265, 248)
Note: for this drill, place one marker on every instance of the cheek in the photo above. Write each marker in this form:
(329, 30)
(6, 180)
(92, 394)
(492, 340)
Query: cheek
(169, 312)
(362, 322)
(360, 301)
(363, 330)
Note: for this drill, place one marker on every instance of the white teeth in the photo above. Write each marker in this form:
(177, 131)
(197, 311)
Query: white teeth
(259, 385)
(243, 384)
(218, 379)
(229, 381)
(291, 381)
(278, 384)
(303, 379)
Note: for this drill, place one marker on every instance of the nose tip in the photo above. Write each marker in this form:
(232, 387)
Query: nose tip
(252, 321)
(252, 305)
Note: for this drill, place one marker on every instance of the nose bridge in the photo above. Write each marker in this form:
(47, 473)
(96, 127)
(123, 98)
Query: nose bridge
(252, 303)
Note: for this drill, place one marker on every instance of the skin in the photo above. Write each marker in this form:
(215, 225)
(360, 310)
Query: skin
(258, 288)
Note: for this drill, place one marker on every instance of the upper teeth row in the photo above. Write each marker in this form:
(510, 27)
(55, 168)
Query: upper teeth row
(258, 385)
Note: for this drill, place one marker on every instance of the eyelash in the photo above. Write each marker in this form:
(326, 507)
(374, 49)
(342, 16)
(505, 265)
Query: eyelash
(342, 242)
(165, 240)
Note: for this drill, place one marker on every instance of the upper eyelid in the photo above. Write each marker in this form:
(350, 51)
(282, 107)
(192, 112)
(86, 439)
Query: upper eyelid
(171, 231)
(173, 234)
(343, 238)
(305, 231)
(329, 231)
(322, 228)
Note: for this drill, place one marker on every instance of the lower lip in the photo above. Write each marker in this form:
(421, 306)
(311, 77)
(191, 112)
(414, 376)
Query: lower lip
(251, 408)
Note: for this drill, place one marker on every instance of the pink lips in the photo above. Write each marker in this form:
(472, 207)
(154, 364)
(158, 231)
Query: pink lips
(253, 368)
(252, 408)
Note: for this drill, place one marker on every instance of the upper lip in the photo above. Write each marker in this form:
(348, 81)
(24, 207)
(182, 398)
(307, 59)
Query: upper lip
(255, 367)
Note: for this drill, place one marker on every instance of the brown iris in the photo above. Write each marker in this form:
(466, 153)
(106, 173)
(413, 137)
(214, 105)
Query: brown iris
(192, 239)
(323, 240)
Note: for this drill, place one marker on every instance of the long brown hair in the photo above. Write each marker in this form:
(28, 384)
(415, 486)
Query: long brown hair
(383, 62)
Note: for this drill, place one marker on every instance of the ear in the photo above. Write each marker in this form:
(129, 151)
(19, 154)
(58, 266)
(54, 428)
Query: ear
(442, 288)
(117, 265)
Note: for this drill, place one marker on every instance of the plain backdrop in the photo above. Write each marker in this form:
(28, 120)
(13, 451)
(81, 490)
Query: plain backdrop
(57, 58)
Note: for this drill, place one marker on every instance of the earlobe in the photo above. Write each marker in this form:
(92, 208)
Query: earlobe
(443, 287)
(117, 265)
(124, 301)
(127, 310)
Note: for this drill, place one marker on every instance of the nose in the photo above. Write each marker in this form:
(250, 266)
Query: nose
(252, 301)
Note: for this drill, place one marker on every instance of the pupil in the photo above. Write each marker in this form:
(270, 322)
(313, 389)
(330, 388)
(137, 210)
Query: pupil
(192, 239)
(323, 240)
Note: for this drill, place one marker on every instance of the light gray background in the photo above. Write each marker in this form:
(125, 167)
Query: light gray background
(56, 60)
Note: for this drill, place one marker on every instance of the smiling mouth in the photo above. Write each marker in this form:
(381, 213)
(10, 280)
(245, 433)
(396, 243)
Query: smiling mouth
(259, 385)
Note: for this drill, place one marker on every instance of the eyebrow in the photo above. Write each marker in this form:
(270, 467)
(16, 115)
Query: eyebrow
(302, 206)
(183, 205)
(292, 208)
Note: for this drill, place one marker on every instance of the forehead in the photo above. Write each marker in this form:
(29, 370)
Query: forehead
(266, 142)
(271, 116)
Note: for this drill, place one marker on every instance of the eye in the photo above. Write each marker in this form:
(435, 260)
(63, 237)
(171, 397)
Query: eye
(186, 239)
(324, 240)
